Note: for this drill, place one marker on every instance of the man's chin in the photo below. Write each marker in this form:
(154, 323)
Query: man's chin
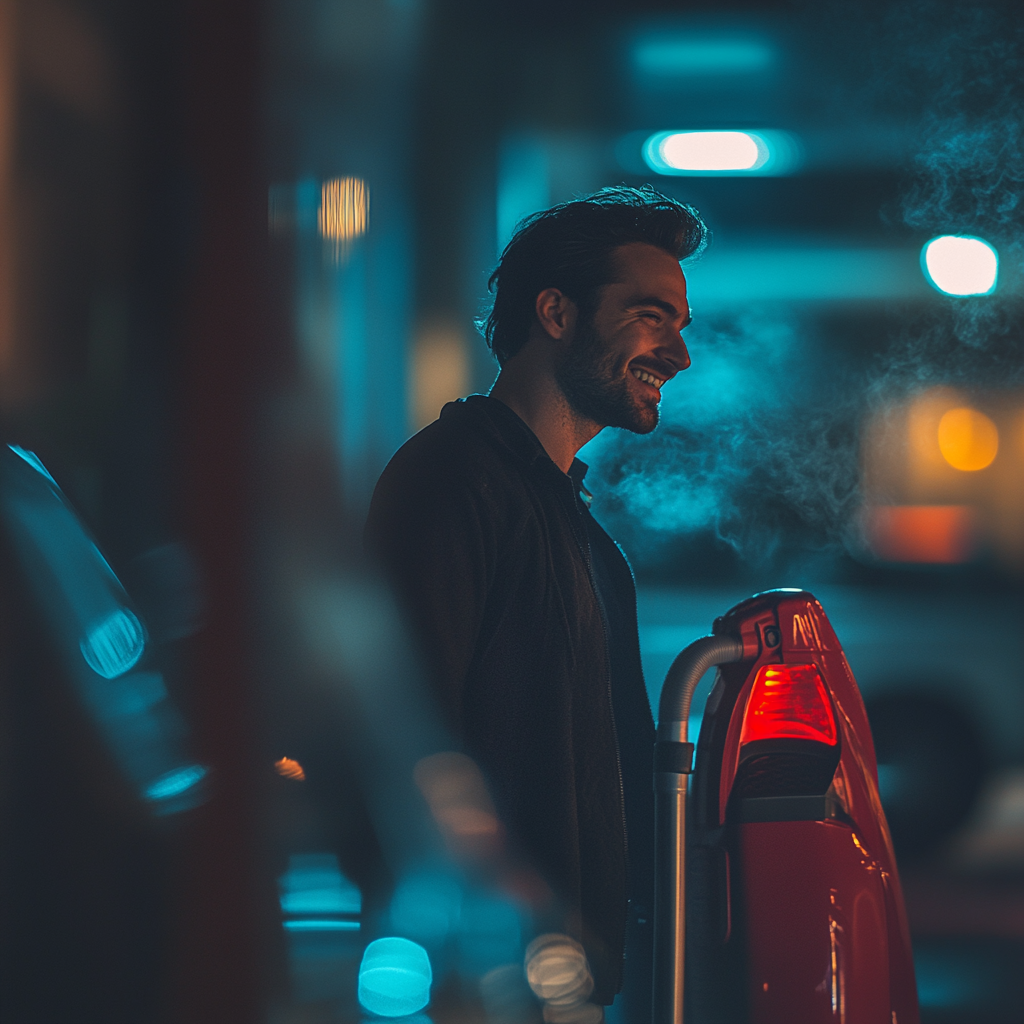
(645, 427)
(611, 406)
(639, 420)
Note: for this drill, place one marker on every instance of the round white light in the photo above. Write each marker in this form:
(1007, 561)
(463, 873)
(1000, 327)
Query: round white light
(712, 151)
(960, 265)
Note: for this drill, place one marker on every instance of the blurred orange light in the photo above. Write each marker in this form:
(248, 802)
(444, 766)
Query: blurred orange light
(344, 209)
(468, 822)
(968, 439)
(940, 534)
(288, 768)
(460, 803)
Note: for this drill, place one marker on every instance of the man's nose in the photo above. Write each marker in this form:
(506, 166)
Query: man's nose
(678, 354)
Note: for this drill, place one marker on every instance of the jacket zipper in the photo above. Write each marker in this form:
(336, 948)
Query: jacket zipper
(585, 552)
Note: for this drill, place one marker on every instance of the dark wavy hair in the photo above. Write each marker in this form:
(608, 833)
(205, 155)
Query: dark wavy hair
(571, 247)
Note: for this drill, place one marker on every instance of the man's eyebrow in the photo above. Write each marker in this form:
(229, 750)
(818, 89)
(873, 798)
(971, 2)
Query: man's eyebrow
(653, 300)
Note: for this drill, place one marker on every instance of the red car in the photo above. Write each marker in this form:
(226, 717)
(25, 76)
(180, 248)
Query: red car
(778, 898)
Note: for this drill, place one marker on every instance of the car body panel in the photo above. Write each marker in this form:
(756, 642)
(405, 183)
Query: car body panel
(816, 924)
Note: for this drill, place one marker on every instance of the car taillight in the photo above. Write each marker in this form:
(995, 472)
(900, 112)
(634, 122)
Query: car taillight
(789, 702)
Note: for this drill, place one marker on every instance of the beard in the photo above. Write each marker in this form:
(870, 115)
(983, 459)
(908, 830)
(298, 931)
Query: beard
(596, 385)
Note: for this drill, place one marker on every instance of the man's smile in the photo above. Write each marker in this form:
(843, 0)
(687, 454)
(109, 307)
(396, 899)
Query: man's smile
(647, 378)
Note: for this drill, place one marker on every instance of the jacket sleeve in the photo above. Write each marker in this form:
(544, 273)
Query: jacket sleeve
(434, 535)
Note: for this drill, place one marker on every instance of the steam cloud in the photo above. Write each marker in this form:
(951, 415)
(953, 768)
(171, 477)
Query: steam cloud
(748, 445)
(757, 447)
(967, 62)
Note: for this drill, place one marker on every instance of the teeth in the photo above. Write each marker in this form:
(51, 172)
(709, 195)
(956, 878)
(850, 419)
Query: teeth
(648, 378)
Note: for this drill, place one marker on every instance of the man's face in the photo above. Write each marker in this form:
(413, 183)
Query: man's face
(618, 360)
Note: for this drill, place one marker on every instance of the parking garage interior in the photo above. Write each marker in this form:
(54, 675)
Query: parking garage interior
(243, 251)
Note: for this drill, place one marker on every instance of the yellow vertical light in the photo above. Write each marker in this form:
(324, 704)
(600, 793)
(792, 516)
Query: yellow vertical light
(344, 212)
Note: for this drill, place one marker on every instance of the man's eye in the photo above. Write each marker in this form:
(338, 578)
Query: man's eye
(654, 317)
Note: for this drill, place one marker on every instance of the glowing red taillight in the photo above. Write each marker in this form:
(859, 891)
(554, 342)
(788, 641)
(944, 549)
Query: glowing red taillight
(789, 702)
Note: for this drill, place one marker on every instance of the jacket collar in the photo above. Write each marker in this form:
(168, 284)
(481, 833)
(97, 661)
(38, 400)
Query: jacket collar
(506, 428)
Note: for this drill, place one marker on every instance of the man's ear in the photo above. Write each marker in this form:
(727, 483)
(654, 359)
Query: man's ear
(556, 313)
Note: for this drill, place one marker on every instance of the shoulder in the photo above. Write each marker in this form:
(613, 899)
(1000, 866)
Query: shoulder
(445, 455)
(454, 466)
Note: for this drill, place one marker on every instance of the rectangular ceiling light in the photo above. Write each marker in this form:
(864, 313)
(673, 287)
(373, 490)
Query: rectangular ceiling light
(698, 56)
(718, 153)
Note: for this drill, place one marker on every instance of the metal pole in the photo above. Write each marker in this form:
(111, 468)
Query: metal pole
(670, 889)
(673, 763)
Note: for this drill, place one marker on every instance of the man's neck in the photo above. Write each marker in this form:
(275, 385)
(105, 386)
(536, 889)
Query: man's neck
(538, 401)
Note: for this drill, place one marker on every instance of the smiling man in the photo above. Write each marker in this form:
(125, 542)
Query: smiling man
(524, 607)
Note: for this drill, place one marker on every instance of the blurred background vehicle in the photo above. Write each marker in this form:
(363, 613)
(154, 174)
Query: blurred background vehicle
(241, 249)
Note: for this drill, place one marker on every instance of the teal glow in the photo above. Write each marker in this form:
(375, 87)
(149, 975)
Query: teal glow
(960, 265)
(33, 460)
(524, 171)
(945, 981)
(694, 57)
(115, 644)
(426, 906)
(87, 613)
(394, 977)
(314, 884)
(799, 273)
(418, 1018)
(310, 924)
(352, 333)
(133, 697)
(721, 153)
(490, 933)
(893, 783)
(176, 782)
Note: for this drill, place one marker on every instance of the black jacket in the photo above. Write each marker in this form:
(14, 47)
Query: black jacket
(488, 546)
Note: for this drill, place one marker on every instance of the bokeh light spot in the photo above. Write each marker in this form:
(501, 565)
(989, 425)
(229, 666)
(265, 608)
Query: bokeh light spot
(557, 970)
(344, 211)
(289, 768)
(968, 439)
(114, 645)
(459, 801)
(394, 977)
(176, 782)
(937, 534)
(960, 265)
(712, 151)
(314, 885)
(328, 924)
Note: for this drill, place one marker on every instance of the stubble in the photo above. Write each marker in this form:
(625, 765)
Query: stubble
(596, 385)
